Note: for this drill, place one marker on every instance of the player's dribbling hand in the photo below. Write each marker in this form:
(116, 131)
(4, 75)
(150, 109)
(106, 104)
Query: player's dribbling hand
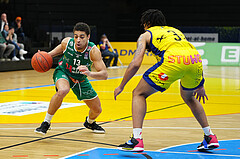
(117, 91)
(84, 70)
(200, 93)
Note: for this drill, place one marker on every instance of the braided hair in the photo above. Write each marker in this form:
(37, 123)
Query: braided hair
(153, 17)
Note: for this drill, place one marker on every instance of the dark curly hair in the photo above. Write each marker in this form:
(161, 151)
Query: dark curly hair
(153, 17)
(80, 26)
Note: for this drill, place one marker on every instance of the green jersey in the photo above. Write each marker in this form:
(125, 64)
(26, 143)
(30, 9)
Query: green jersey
(72, 59)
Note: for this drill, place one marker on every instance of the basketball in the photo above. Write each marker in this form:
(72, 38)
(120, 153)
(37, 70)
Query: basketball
(41, 61)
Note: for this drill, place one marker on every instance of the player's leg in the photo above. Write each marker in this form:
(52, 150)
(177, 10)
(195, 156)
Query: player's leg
(139, 106)
(195, 106)
(95, 110)
(62, 88)
(85, 92)
(210, 140)
(191, 81)
(157, 78)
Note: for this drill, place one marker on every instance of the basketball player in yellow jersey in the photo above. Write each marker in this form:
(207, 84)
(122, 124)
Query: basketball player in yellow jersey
(176, 59)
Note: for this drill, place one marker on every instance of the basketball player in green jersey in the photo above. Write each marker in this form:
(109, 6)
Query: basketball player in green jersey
(74, 67)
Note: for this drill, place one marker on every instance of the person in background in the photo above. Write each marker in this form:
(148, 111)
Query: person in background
(8, 35)
(3, 21)
(5, 49)
(21, 45)
(104, 47)
(17, 24)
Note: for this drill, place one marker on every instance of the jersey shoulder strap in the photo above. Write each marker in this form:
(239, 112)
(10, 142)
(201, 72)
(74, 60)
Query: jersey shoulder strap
(70, 45)
(90, 46)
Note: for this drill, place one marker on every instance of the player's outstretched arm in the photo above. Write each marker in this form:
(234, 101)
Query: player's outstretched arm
(135, 63)
(96, 57)
(60, 48)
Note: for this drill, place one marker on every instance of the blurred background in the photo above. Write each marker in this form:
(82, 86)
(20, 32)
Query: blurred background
(47, 22)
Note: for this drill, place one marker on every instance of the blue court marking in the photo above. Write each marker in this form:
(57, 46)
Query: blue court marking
(23, 88)
(228, 149)
(48, 85)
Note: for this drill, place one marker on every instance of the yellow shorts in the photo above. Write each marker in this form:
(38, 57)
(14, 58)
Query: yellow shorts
(184, 64)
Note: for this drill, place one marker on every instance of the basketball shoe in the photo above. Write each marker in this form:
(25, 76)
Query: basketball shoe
(209, 142)
(94, 127)
(45, 126)
(132, 145)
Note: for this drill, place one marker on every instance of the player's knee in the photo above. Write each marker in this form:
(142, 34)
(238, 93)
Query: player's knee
(136, 92)
(62, 92)
(98, 110)
(188, 99)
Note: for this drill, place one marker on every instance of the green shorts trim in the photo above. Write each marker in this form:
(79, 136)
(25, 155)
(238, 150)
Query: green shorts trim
(82, 89)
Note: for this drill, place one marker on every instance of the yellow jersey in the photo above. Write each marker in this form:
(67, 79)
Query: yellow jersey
(177, 59)
(164, 38)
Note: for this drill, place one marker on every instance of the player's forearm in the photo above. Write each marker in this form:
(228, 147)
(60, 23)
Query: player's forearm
(56, 51)
(130, 72)
(101, 75)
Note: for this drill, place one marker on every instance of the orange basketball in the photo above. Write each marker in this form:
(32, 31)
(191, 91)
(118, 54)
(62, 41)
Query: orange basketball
(41, 61)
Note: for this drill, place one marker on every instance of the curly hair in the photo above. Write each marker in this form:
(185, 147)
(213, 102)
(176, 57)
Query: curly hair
(153, 17)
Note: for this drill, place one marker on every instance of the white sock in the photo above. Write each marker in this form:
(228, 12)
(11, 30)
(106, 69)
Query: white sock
(207, 131)
(137, 133)
(90, 121)
(48, 118)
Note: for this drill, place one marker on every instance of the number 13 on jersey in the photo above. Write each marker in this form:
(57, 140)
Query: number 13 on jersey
(76, 62)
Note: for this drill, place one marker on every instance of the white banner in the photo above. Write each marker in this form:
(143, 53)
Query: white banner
(202, 37)
(19, 108)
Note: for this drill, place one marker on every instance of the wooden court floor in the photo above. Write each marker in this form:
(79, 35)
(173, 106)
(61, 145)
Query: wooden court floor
(168, 122)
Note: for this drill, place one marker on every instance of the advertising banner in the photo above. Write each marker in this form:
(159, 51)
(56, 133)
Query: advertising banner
(213, 54)
(219, 54)
(202, 37)
(126, 51)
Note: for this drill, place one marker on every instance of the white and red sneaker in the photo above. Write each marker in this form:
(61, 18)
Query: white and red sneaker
(209, 142)
(132, 145)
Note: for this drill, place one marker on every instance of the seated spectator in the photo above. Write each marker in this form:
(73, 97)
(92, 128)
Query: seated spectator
(17, 24)
(5, 49)
(8, 35)
(3, 21)
(104, 47)
(21, 45)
